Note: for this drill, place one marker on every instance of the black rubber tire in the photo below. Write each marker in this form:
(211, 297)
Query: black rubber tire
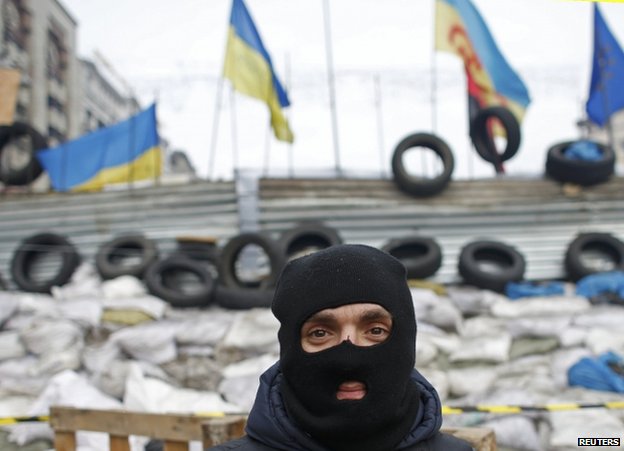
(34, 247)
(509, 261)
(109, 254)
(421, 256)
(161, 282)
(605, 243)
(199, 250)
(307, 237)
(30, 171)
(237, 299)
(232, 250)
(422, 186)
(580, 172)
(482, 141)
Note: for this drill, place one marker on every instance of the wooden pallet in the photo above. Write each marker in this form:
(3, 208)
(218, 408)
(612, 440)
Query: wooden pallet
(177, 431)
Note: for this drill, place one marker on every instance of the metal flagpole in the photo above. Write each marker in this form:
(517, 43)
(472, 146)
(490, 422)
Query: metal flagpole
(291, 169)
(380, 133)
(267, 149)
(332, 89)
(434, 88)
(215, 129)
(234, 131)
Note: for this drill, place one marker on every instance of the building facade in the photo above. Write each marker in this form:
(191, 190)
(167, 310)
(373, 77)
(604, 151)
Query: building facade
(61, 95)
(106, 98)
(39, 40)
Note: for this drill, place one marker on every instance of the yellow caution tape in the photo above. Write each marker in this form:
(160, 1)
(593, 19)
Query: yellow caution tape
(499, 409)
(13, 420)
(446, 410)
(510, 409)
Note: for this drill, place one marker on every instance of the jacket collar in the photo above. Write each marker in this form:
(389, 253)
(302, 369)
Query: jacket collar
(269, 423)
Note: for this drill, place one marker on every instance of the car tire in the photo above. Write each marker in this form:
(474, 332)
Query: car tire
(240, 299)
(231, 253)
(508, 264)
(162, 280)
(421, 256)
(480, 136)
(580, 172)
(308, 237)
(109, 259)
(33, 248)
(605, 243)
(32, 169)
(422, 186)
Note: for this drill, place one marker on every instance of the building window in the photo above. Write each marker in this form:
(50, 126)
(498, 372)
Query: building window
(55, 135)
(15, 22)
(56, 58)
(55, 104)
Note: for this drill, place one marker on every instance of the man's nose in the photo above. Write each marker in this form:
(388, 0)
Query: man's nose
(349, 334)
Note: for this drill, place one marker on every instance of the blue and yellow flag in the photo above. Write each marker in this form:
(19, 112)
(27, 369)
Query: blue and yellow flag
(124, 152)
(248, 66)
(606, 95)
(460, 29)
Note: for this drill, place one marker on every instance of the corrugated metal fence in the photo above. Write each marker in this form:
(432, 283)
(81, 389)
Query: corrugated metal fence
(537, 216)
(161, 213)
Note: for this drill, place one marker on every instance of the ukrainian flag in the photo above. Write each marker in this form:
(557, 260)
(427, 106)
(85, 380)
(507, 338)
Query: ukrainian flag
(124, 152)
(460, 29)
(248, 66)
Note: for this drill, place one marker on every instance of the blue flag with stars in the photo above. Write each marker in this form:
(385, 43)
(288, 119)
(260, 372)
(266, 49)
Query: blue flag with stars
(606, 95)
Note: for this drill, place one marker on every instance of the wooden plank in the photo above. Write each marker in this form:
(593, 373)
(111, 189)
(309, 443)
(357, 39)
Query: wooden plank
(64, 441)
(119, 443)
(119, 422)
(220, 430)
(482, 439)
(172, 445)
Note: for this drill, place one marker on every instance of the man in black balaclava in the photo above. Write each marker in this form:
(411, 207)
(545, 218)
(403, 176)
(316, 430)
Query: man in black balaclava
(346, 379)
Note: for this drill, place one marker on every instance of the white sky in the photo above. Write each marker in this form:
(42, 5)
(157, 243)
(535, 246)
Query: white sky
(173, 52)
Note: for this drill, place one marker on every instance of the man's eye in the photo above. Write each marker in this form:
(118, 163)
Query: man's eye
(377, 331)
(318, 333)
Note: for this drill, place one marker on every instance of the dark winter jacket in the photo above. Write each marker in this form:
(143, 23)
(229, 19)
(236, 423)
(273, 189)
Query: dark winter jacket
(269, 428)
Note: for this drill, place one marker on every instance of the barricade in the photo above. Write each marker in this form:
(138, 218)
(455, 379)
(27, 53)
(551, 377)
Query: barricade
(177, 430)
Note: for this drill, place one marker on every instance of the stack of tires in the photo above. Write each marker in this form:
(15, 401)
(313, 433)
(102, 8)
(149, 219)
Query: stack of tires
(562, 167)
(240, 275)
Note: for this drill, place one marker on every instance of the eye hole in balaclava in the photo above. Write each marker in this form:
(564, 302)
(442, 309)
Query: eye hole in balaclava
(331, 278)
(361, 323)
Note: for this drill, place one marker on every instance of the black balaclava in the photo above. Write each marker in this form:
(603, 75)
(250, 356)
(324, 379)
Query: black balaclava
(336, 276)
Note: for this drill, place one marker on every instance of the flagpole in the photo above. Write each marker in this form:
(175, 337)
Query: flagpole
(131, 143)
(434, 81)
(215, 129)
(291, 169)
(332, 89)
(234, 131)
(380, 133)
(267, 149)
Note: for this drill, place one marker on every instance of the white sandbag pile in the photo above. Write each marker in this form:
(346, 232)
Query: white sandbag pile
(111, 345)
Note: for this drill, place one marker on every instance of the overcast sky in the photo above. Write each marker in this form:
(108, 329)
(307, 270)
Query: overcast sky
(172, 52)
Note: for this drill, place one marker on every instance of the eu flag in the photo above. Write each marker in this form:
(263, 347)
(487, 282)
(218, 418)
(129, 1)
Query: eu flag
(606, 95)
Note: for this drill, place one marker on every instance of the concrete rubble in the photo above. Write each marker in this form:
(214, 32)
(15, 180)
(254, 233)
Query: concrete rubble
(111, 345)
